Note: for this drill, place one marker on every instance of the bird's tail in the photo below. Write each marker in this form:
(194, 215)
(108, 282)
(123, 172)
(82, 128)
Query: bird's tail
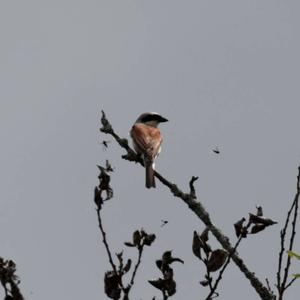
(150, 180)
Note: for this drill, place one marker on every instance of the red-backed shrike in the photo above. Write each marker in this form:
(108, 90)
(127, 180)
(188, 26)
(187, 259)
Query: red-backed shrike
(147, 140)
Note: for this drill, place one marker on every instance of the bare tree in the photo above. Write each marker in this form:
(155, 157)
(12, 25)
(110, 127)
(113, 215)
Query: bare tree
(218, 259)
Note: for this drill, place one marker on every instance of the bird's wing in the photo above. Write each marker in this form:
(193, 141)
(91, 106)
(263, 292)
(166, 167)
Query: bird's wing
(147, 139)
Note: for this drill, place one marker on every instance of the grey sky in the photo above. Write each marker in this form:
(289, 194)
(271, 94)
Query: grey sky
(224, 73)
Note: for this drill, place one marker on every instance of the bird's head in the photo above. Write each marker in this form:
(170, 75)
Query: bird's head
(151, 119)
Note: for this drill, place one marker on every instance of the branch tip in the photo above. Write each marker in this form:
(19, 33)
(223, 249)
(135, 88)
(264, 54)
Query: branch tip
(192, 187)
(106, 127)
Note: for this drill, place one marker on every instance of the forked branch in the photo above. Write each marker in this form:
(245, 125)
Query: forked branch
(282, 275)
(191, 200)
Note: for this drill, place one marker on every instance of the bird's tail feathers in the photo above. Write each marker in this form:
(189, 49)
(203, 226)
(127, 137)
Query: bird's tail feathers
(150, 179)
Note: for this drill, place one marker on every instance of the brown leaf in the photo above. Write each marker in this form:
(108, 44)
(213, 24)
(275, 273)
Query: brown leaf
(158, 283)
(259, 212)
(260, 220)
(136, 238)
(170, 287)
(111, 285)
(204, 282)
(257, 228)
(196, 245)
(143, 233)
(159, 263)
(238, 226)
(216, 260)
(168, 259)
(149, 239)
(127, 266)
(204, 235)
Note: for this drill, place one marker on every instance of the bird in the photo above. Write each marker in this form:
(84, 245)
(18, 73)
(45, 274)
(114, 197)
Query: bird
(147, 139)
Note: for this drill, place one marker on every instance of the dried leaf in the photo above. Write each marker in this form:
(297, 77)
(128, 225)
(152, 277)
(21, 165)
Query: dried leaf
(127, 266)
(104, 183)
(136, 238)
(238, 226)
(167, 258)
(204, 282)
(128, 244)
(196, 246)
(170, 287)
(159, 263)
(112, 285)
(260, 220)
(143, 233)
(257, 228)
(149, 239)
(216, 260)
(259, 212)
(204, 235)
(158, 283)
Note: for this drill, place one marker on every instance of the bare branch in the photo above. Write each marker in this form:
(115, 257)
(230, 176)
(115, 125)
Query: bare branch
(282, 283)
(104, 240)
(269, 287)
(136, 266)
(290, 283)
(192, 188)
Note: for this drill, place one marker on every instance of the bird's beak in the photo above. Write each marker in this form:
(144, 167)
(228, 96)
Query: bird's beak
(162, 119)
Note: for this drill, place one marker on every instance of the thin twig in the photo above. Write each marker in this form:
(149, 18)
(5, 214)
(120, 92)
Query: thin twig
(281, 284)
(207, 275)
(293, 234)
(197, 208)
(290, 283)
(215, 286)
(209, 280)
(269, 287)
(136, 266)
(282, 242)
(192, 187)
(108, 250)
(105, 242)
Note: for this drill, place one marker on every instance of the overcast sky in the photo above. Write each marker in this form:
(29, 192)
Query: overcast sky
(225, 73)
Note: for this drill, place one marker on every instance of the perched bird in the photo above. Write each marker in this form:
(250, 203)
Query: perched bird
(147, 140)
